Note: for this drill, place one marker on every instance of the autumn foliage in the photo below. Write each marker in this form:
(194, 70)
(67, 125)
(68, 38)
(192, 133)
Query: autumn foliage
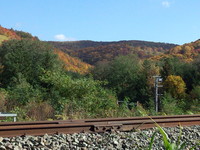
(72, 64)
(92, 52)
(187, 52)
(175, 86)
(8, 33)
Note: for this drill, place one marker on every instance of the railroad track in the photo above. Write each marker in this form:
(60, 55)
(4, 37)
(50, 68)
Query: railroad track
(10, 129)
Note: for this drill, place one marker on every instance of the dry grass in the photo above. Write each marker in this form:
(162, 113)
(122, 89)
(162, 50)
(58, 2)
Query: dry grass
(3, 95)
(40, 111)
(3, 38)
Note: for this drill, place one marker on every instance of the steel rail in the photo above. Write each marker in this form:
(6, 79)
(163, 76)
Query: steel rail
(9, 129)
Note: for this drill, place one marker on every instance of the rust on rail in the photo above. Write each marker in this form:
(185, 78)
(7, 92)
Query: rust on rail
(9, 129)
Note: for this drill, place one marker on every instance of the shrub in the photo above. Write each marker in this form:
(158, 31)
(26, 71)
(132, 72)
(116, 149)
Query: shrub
(21, 114)
(78, 95)
(26, 57)
(171, 106)
(3, 100)
(40, 111)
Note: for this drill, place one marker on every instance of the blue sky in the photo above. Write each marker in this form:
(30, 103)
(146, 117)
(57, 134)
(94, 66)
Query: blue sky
(170, 21)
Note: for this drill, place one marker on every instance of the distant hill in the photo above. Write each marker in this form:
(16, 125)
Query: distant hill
(75, 45)
(92, 52)
(186, 52)
(70, 63)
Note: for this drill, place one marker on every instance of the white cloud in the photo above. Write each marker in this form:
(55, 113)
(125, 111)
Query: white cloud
(166, 4)
(18, 25)
(62, 37)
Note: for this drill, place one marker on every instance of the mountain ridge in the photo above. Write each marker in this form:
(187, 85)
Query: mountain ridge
(90, 43)
(93, 51)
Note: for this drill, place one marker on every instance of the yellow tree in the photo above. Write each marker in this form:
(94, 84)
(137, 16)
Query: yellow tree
(175, 86)
(187, 51)
(175, 50)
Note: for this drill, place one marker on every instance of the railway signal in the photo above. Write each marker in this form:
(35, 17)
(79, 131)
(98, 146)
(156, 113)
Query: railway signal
(157, 84)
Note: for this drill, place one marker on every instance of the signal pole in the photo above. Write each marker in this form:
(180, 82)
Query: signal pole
(158, 80)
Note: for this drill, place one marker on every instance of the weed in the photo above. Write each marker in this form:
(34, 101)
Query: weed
(168, 145)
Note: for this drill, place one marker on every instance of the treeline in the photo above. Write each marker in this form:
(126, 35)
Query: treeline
(92, 52)
(76, 45)
(92, 55)
(25, 35)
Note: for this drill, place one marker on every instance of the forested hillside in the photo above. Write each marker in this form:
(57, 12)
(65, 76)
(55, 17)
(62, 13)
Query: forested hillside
(187, 52)
(92, 52)
(6, 34)
(75, 45)
(70, 63)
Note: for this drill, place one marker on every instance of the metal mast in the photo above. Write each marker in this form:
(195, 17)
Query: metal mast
(158, 80)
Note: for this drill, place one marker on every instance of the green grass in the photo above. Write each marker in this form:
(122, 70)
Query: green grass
(2, 38)
(166, 141)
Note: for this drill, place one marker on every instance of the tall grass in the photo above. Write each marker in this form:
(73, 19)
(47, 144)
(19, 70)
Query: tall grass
(168, 145)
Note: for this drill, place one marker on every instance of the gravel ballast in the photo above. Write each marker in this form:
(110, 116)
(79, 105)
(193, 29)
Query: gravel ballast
(104, 141)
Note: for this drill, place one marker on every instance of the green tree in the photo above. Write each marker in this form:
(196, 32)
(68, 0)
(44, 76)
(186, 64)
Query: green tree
(191, 75)
(25, 35)
(150, 69)
(195, 67)
(27, 57)
(195, 93)
(21, 92)
(194, 102)
(124, 76)
(78, 95)
(171, 66)
(171, 105)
